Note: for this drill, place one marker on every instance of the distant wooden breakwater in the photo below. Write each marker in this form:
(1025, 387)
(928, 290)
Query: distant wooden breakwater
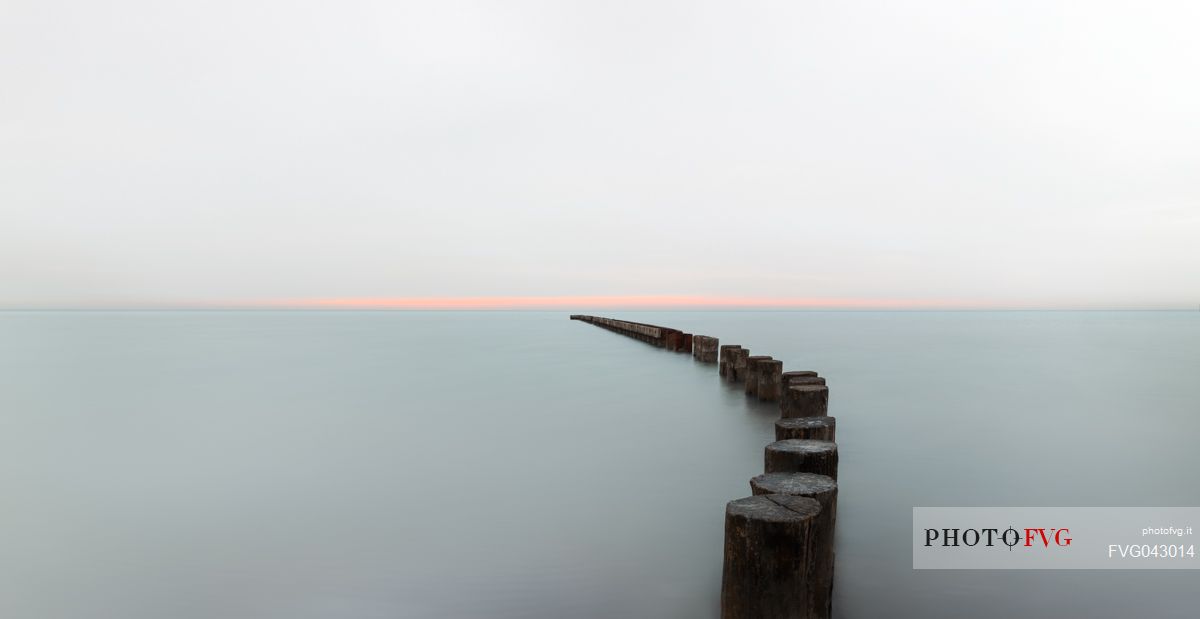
(778, 541)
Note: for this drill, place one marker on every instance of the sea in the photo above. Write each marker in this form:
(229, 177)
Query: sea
(395, 464)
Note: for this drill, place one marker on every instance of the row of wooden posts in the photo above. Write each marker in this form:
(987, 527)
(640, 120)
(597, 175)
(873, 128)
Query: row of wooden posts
(778, 541)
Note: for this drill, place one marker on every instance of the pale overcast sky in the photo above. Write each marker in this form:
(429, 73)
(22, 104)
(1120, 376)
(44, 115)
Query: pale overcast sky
(1013, 153)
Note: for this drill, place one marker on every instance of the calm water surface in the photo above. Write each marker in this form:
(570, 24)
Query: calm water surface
(291, 465)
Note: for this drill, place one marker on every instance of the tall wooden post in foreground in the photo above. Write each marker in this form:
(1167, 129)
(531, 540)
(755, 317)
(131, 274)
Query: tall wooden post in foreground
(823, 490)
(771, 546)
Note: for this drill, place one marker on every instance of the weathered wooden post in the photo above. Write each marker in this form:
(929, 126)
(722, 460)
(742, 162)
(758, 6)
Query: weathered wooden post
(738, 364)
(687, 343)
(822, 489)
(725, 359)
(770, 372)
(805, 401)
(812, 428)
(802, 456)
(801, 377)
(706, 348)
(771, 546)
(752, 370)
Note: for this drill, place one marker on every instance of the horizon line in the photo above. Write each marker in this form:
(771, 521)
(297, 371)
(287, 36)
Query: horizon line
(580, 302)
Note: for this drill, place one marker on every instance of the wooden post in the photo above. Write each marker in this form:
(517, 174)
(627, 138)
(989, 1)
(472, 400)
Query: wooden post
(687, 343)
(771, 544)
(706, 348)
(752, 373)
(822, 489)
(805, 401)
(802, 377)
(738, 365)
(710, 349)
(725, 359)
(802, 456)
(770, 372)
(812, 428)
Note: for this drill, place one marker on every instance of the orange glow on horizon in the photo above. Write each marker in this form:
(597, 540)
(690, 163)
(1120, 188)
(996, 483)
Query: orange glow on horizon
(614, 301)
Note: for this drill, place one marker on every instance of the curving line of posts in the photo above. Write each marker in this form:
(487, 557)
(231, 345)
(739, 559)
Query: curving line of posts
(779, 540)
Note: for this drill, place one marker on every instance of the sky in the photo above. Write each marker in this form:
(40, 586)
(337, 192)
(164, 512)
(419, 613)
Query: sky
(1010, 154)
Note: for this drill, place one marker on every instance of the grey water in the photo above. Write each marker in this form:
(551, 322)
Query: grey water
(265, 465)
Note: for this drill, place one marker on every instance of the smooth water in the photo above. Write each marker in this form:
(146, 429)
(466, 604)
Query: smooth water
(238, 465)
